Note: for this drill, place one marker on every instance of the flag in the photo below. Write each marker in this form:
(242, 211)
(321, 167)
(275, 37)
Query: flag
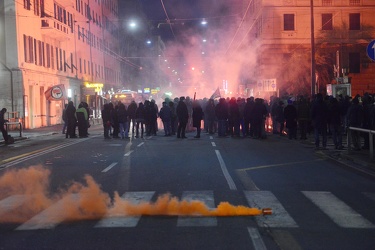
(216, 94)
(56, 93)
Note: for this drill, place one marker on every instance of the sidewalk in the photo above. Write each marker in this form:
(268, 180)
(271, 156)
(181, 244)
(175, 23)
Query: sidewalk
(356, 160)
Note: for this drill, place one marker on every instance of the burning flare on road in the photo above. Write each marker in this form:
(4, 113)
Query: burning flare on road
(27, 190)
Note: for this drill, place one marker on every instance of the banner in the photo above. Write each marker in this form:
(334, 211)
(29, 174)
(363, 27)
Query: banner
(216, 94)
(56, 93)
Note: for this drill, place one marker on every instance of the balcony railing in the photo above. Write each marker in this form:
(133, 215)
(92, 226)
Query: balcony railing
(53, 28)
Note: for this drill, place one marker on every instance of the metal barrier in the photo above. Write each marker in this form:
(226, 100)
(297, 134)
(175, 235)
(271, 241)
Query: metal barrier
(7, 124)
(371, 139)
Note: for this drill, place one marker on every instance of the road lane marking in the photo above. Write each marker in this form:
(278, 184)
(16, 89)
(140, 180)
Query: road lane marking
(256, 239)
(211, 137)
(287, 164)
(37, 153)
(128, 153)
(246, 180)
(109, 167)
(140, 144)
(198, 221)
(12, 202)
(280, 217)
(227, 176)
(50, 217)
(337, 210)
(126, 221)
(213, 144)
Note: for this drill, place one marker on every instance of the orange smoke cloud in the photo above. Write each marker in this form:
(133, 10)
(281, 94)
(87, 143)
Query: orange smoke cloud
(30, 187)
(168, 205)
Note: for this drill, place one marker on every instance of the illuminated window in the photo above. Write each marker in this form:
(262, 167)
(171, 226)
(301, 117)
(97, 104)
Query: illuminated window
(327, 22)
(288, 21)
(354, 21)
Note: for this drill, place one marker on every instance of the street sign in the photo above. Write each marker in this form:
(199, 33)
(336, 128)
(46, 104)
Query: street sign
(371, 50)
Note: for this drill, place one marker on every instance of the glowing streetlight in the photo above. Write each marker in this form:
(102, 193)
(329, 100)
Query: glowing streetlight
(204, 22)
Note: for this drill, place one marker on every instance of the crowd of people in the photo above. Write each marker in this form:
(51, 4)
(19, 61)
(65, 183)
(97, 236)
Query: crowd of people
(291, 116)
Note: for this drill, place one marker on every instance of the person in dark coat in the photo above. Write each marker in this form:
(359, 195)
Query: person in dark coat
(165, 115)
(183, 117)
(303, 114)
(140, 115)
(82, 117)
(259, 115)
(106, 117)
(209, 114)
(222, 113)
(122, 116)
(280, 119)
(173, 118)
(197, 117)
(131, 115)
(234, 118)
(355, 119)
(319, 117)
(290, 114)
(248, 114)
(335, 122)
(2, 124)
(72, 120)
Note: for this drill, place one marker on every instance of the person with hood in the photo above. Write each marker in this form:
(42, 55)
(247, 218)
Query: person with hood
(197, 117)
(82, 117)
(183, 117)
(72, 120)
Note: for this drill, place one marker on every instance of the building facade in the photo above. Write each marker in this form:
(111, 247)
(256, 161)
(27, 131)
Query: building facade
(55, 51)
(281, 31)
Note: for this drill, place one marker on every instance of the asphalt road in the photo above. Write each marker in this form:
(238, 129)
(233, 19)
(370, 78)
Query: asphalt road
(59, 193)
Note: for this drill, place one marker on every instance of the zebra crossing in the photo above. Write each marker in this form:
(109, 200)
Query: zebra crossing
(336, 210)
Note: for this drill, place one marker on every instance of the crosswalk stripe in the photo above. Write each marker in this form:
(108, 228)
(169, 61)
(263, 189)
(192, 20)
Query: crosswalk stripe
(256, 239)
(12, 202)
(279, 217)
(50, 217)
(126, 221)
(205, 196)
(337, 210)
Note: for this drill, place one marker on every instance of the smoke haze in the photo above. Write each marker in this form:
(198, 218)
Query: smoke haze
(29, 189)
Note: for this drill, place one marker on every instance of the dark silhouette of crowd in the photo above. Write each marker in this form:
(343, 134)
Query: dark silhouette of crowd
(295, 117)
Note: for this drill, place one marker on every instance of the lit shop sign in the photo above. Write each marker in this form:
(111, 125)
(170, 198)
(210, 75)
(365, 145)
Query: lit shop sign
(146, 90)
(96, 86)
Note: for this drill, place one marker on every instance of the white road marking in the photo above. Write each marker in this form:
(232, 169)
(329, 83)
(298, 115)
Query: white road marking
(140, 144)
(256, 239)
(337, 210)
(128, 153)
(12, 202)
(126, 221)
(211, 137)
(213, 144)
(265, 199)
(198, 221)
(50, 217)
(109, 167)
(227, 176)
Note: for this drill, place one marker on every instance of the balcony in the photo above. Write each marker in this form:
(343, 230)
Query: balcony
(54, 29)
